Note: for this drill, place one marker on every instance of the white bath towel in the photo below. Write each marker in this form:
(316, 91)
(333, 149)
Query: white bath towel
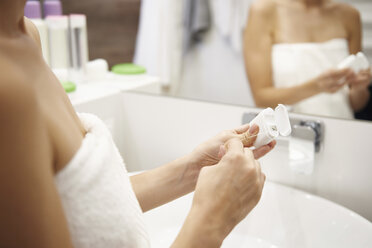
(99, 203)
(294, 64)
(159, 45)
(230, 18)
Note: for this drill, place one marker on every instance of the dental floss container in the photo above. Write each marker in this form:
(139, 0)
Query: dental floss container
(79, 46)
(348, 63)
(33, 12)
(363, 61)
(272, 124)
(355, 62)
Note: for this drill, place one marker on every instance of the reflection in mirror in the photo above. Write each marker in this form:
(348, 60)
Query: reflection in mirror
(261, 53)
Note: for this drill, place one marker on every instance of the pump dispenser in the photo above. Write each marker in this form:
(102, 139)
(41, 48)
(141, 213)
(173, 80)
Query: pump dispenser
(272, 124)
(52, 8)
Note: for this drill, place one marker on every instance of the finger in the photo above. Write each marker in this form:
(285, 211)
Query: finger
(248, 138)
(351, 77)
(263, 180)
(341, 73)
(361, 80)
(263, 177)
(259, 173)
(242, 129)
(263, 150)
(234, 145)
(258, 168)
(366, 71)
(249, 154)
(222, 151)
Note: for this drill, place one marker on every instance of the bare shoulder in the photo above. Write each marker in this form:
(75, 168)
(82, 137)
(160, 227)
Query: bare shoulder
(347, 11)
(349, 16)
(32, 31)
(264, 8)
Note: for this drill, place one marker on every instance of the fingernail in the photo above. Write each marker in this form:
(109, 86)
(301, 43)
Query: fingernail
(253, 129)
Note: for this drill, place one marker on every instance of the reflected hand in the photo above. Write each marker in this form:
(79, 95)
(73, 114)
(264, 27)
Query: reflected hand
(361, 81)
(333, 80)
(209, 152)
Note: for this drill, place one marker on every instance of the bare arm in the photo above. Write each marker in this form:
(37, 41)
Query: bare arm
(166, 183)
(30, 211)
(359, 94)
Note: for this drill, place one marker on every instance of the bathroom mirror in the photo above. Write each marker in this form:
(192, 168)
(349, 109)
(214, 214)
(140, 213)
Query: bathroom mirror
(210, 62)
(196, 48)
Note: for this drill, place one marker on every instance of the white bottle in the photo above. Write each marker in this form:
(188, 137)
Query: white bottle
(272, 124)
(33, 12)
(59, 47)
(79, 46)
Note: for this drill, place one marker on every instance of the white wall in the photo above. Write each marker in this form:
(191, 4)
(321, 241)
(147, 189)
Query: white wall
(158, 129)
(212, 71)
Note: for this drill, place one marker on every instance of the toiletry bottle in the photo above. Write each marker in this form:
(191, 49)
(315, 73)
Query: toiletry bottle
(272, 124)
(33, 12)
(52, 8)
(59, 46)
(79, 46)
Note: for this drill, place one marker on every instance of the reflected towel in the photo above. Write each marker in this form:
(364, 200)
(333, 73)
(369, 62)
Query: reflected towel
(197, 20)
(294, 64)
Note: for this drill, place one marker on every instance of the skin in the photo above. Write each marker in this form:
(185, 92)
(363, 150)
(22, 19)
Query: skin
(40, 133)
(301, 21)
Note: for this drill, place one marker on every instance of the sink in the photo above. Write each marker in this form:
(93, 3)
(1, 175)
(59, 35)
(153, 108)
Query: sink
(284, 217)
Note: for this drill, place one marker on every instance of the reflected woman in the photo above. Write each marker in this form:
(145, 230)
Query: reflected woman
(292, 49)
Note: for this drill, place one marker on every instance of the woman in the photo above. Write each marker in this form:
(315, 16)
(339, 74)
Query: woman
(292, 49)
(63, 183)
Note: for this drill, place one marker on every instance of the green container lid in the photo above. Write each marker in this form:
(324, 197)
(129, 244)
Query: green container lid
(128, 69)
(69, 87)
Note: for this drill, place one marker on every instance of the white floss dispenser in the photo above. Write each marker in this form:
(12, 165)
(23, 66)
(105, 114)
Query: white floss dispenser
(272, 124)
(355, 62)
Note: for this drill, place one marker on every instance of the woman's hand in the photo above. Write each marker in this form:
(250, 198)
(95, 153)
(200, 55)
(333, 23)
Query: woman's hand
(207, 153)
(224, 195)
(361, 81)
(359, 93)
(333, 80)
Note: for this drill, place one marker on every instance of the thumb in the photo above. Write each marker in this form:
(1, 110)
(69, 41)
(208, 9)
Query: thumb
(234, 145)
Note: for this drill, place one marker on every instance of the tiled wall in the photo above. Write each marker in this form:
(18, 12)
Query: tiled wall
(112, 27)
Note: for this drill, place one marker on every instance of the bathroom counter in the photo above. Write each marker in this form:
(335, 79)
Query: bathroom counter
(113, 84)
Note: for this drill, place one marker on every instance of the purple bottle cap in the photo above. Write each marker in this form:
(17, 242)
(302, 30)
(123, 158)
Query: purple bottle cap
(52, 8)
(33, 10)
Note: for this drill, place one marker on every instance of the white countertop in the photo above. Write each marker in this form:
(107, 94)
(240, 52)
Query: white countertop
(111, 85)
